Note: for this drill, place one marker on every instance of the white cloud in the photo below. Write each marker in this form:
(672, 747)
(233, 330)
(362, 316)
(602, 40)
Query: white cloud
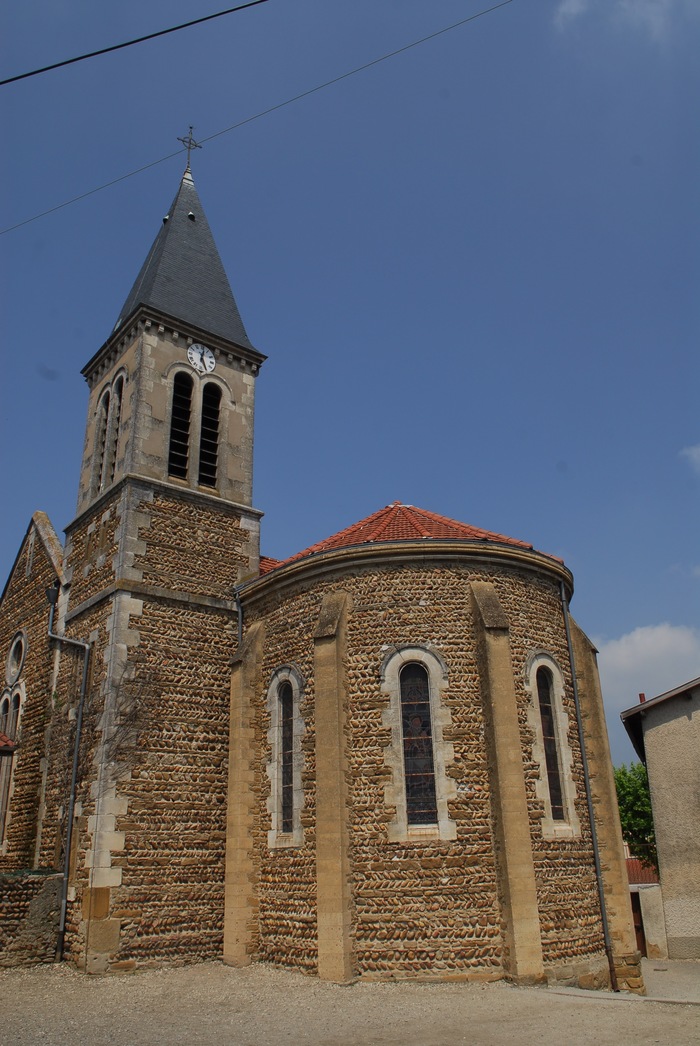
(649, 660)
(570, 9)
(651, 16)
(693, 456)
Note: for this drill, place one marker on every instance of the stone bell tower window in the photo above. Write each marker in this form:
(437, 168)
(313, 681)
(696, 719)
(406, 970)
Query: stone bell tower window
(112, 435)
(100, 442)
(418, 762)
(180, 426)
(209, 436)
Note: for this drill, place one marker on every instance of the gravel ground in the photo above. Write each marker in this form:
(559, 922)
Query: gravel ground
(212, 1005)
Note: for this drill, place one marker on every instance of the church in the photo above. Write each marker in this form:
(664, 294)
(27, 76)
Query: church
(383, 757)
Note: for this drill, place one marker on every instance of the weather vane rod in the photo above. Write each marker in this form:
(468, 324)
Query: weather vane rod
(189, 144)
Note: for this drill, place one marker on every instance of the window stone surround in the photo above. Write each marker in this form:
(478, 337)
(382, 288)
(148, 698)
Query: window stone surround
(443, 753)
(570, 827)
(276, 838)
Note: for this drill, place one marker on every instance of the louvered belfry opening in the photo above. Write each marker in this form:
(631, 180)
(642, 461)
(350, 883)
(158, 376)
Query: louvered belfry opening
(286, 699)
(209, 440)
(180, 426)
(551, 752)
(101, 443)
(419, 771)
(110, 463)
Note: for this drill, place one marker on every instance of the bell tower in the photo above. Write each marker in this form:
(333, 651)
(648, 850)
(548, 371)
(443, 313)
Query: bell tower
(165, 530)
(172, 389)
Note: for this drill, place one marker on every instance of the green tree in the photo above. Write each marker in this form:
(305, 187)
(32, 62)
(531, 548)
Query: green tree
(637, 819)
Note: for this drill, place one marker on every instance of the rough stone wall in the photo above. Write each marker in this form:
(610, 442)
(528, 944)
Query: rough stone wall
(153, 572)
(566, 887)
(91, 549)
(170, 901)
(430, 906)
(29, 908)
(193, 548)
(287, 877)
(25, 608)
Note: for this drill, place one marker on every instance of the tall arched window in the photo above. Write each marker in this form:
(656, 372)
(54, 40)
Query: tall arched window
(286, 700)
(180, 426)
(419, 790)
(418, 763)
(545, 692)
(112, 436)
(284, 769)
(9, 721)
(100, 442)
(552, 754)
(209, 435)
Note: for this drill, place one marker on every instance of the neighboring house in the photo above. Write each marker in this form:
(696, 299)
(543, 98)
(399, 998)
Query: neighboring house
(647, 908)
(665, 732)
(364, 760)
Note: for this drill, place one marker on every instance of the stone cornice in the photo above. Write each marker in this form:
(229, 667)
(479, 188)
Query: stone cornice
(148, 318)
(140, 591)
(173, 489)
(398, 553)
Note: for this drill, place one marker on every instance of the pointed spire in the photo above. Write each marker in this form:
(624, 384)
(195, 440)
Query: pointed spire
(183, 275)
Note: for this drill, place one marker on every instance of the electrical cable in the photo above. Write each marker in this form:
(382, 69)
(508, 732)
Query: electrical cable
(128, 43)
(264, 112)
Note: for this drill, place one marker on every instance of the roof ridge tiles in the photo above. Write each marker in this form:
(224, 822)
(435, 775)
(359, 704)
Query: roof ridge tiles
(397, 522)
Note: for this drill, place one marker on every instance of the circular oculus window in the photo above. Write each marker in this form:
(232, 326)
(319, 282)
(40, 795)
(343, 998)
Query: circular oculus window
(15, 659)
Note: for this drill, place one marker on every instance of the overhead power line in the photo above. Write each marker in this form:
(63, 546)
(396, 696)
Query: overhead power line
(129, 43)
(258, 116)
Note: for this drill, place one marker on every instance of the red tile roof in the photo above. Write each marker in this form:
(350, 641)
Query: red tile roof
(267, 564)
(639, 871)
(397, 522)
(6, 744)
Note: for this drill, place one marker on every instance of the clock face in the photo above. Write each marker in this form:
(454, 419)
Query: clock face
(201, 358)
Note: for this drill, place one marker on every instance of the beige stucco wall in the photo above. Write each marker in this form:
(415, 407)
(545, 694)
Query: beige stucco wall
(672, 744)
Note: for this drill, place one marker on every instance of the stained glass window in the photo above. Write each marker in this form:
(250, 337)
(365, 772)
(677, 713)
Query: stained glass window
(551, 751)
(419, 772)
(286, 699)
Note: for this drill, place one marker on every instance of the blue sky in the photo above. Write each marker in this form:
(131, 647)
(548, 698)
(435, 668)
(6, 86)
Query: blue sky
(474, 269)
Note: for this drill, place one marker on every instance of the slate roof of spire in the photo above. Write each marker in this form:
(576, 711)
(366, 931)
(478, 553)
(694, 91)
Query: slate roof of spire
(398, 522)
(183, 275)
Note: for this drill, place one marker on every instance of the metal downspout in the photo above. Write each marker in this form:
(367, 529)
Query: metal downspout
(85, 647)
(589, 797)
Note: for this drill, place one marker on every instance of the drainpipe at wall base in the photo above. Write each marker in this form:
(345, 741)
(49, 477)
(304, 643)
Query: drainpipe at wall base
(52, 596)
(589, 797)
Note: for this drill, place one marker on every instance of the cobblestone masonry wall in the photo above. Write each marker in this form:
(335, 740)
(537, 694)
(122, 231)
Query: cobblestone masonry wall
(92, 547)
(170, 902)
(193, 549)
(287, 918)
(423, 907)
(29, 907)
(159, 744)
(25, 608)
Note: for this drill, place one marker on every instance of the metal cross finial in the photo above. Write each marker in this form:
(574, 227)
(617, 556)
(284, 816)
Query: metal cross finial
(189, 144)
